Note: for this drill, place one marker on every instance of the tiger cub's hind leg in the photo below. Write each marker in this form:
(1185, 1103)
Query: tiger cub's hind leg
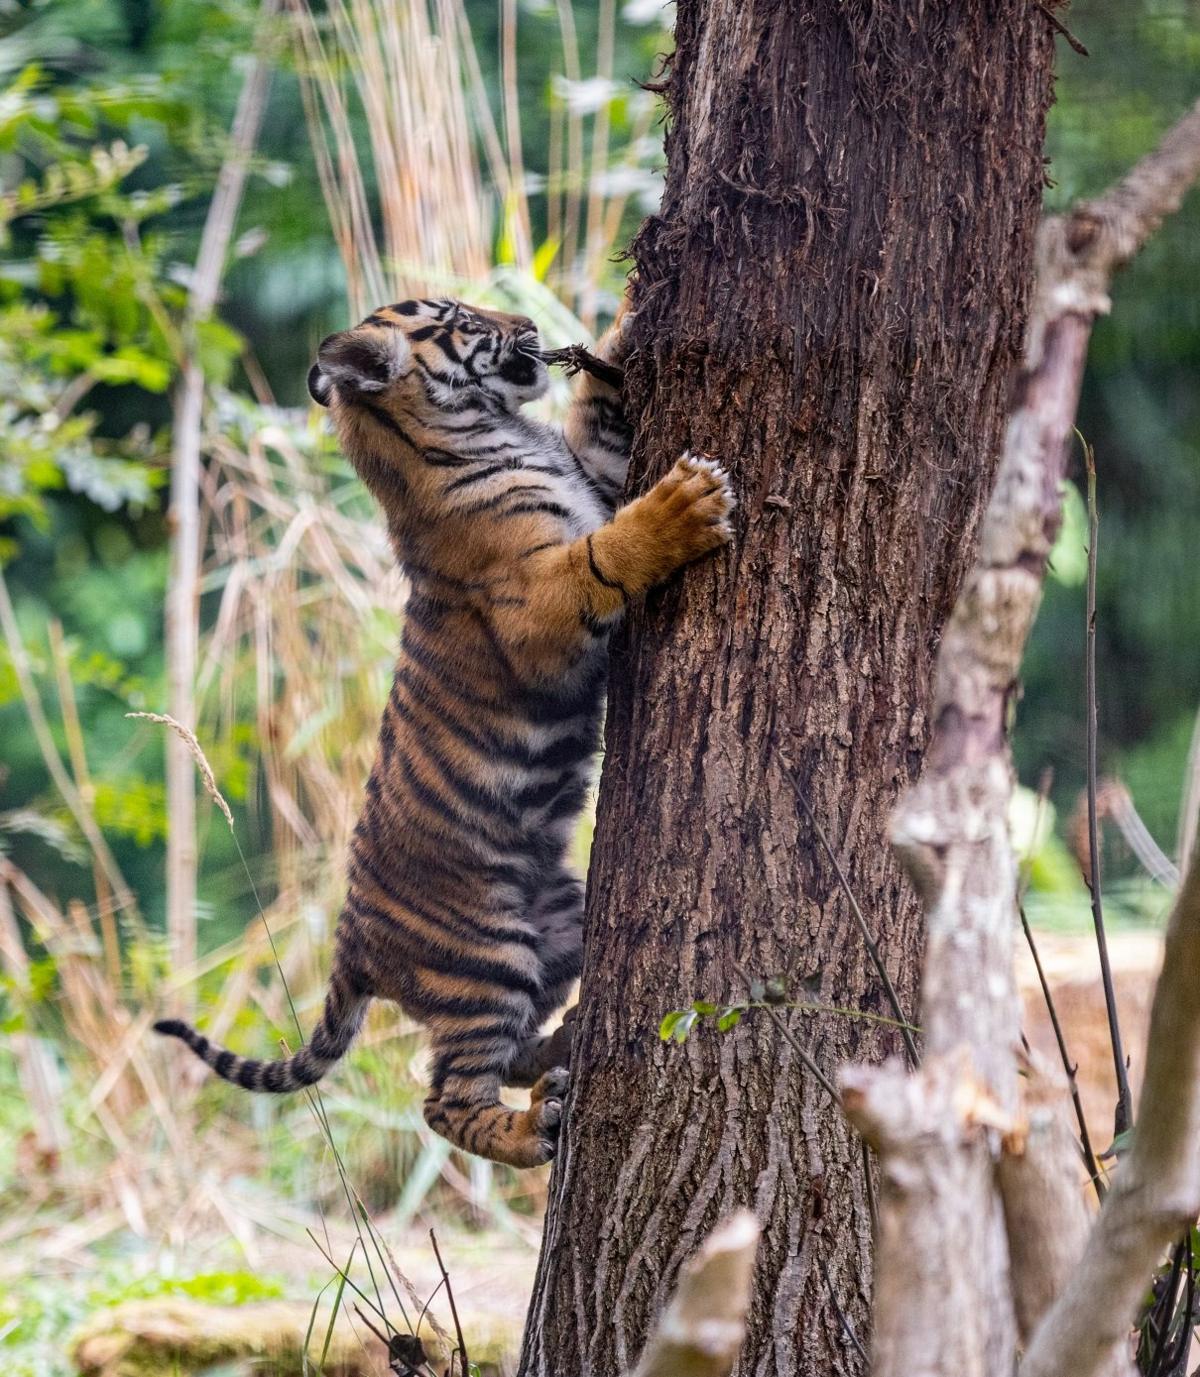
(557, 915)
(466, 1108)
(464, 1102)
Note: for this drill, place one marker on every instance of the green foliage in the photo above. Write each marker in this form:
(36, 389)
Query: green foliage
(769, 993)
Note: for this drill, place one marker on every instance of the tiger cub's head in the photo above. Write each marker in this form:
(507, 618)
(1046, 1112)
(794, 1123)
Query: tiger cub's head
(430, 356)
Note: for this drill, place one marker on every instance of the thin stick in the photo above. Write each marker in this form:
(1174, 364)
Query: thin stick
(462, 1343)
(1124, 1111)
(910, 1046)
(1089, 1155)
(847, 1327)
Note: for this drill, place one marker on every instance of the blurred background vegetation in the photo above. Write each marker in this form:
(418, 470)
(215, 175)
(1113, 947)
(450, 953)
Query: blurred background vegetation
(496, 149)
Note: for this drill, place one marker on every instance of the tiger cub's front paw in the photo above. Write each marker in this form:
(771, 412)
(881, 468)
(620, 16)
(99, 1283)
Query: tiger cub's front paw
(544, 1115)
(694, 501)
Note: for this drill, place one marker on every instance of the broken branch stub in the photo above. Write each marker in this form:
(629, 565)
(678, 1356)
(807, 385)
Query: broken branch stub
(701, 1330)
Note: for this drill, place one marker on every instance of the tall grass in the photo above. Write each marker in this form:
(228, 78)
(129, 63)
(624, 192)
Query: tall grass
(441, 192)
(112, 1136)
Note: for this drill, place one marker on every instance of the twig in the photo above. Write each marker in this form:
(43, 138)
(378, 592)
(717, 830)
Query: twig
(1089, 1156)
(462, 1343)
(910, 1046)
(575, 358)
(1059, 27)
(800, 1050)
(1124, 1111)
(847, 1327)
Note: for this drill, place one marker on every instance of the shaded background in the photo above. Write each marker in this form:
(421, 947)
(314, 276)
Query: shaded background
(114, 121)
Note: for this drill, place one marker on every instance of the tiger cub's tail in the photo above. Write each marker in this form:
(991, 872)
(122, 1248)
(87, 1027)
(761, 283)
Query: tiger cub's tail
(331, 1039)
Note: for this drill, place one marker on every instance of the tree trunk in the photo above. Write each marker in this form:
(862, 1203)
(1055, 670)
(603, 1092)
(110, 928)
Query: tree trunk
(831, 302)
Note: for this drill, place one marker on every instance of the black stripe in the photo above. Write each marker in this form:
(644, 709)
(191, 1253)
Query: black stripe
(460, 1006)
(441, 671)
(431, 955)
(445, 342)
(593, 624)
(600, 577)
(491, 503)
(570, 801)
(446, 379)
(530, 508)
(468, 478)
(538, 795)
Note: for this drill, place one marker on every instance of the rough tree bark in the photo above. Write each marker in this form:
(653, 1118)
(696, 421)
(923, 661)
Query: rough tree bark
(831, 300)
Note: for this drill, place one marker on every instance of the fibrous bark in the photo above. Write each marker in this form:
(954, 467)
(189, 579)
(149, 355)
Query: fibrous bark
(831, 302)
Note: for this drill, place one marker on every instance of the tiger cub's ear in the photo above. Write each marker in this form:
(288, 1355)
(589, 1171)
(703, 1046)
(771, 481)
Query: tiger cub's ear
(364, 360)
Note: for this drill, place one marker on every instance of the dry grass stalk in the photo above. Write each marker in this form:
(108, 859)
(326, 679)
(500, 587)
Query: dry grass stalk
(197, 753)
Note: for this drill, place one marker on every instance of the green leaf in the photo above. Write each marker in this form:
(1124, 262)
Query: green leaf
(687, 1018)
(702, 1006)
(547, 252)
(729, 1018)
(667, 1026)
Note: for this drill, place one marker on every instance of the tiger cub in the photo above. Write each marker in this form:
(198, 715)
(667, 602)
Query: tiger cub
(461, 906)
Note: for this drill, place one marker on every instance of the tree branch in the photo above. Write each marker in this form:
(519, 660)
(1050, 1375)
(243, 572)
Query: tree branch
(1045, 1214)
(951, 831)
(702, 1329)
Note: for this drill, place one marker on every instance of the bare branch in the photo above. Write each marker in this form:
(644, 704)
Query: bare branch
(701, 1331)
(951, 831)
(1156, 1194)
(918, 1125)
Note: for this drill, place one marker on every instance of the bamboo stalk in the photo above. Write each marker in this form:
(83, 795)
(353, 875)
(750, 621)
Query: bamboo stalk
(183, 602)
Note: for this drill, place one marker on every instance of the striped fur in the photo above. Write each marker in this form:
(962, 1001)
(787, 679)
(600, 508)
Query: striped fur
(461, 907)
